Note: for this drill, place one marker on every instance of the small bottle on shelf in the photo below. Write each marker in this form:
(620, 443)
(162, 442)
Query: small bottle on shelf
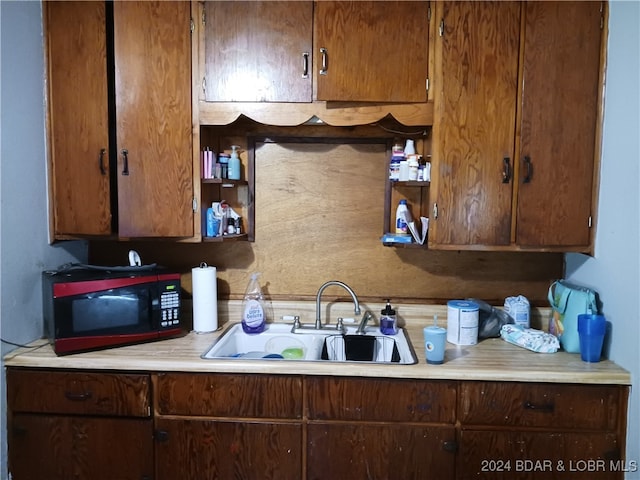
(403, 217)
(224, 165)
(233, 171)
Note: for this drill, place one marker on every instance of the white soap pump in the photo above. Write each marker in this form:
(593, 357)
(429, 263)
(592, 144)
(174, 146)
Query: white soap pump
(234, 164)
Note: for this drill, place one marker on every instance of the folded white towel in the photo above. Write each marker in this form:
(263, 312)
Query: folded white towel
(530, 338)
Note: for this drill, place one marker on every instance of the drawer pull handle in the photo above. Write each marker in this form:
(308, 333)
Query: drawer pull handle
(545, 408)
(77, 397)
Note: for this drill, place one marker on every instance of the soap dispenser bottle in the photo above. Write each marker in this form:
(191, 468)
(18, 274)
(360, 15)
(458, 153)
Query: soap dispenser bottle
(234, 164)
(388, 321)
(253, 307)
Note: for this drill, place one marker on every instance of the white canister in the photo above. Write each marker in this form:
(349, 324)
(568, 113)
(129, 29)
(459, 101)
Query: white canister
(462, 322)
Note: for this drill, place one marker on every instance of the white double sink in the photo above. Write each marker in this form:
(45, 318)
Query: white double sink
(277, 342)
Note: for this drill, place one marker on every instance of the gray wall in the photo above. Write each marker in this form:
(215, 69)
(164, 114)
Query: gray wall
(24, 246)
(24, 250)
(614, 270)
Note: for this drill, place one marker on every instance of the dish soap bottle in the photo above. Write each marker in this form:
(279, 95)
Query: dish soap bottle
(388, 323)
(253, 311)
(234, 164)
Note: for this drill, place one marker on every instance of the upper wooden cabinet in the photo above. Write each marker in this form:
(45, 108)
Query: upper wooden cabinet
(371, 51)
(515, 122)
(120, 118)
(257, 51)
(281, 63)
(78, 118)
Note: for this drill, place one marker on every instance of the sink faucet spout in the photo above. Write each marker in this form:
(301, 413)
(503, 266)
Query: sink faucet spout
(356, 304)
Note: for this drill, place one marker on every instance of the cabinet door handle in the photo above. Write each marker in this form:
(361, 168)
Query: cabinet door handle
(103, 171)
(506, 171)
(125, 164)
(161, 435)
(305, 65)
(529, 167)
(325, 61)
(544, 408)
(77, 397)
(450, 446)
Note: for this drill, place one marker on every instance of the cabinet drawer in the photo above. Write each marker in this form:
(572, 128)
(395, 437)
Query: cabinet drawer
(578, 407)
(224, 395)
(377, 399)
(82, 393)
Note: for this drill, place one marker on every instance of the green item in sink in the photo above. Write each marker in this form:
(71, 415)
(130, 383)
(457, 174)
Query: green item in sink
(293, 353)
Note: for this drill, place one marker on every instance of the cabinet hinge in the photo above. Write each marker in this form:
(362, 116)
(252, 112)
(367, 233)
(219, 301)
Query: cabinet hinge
(435, 210)
(194, 204)
(441, 28)
(427, 84)
(204, 18)
(192, 25)
(590, 221)
(601, 15)
(204, 85)
(429, 12)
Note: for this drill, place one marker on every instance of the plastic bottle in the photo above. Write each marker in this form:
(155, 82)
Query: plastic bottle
(403, 217)
(233, 170)
(212, 227)
(253, 309)
(388, 323)
(409, 148)
(397, 156)
(223, 159)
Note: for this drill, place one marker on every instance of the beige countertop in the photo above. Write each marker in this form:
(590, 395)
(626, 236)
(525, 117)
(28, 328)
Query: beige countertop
(491, 359)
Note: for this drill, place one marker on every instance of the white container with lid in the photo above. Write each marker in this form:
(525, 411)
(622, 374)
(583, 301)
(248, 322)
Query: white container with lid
(462, 322)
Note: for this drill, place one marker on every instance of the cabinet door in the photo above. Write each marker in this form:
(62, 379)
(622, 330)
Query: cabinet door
(539, 455)
(371, 51)
(78, 117)
(222, 450)
(258, 51)
(559, 117)
(380, 451)
(474, 121)
(65, 447)
(152, 49)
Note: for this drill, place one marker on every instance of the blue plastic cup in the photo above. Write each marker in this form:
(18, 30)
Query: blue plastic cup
(435, 339)
(591, 329)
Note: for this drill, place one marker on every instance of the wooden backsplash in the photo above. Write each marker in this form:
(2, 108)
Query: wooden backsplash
(319, 216)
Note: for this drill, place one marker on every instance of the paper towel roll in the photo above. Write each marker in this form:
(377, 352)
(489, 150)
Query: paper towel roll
(205, 299)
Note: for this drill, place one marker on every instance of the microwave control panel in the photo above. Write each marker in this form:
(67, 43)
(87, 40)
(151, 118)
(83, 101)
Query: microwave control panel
(170, 308)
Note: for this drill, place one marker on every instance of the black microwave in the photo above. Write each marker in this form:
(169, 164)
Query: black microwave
(88, 309)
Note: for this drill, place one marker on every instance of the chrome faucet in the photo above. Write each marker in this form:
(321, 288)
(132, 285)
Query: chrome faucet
(363, 323)
(356, 304)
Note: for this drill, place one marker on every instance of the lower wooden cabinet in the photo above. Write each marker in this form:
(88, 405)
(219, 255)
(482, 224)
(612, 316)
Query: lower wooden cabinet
(224, 426)
(541, 431)
(391, 451)
(67, 447)
(218, 449)
(94, 425)
(527, 454)
(79, 425)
